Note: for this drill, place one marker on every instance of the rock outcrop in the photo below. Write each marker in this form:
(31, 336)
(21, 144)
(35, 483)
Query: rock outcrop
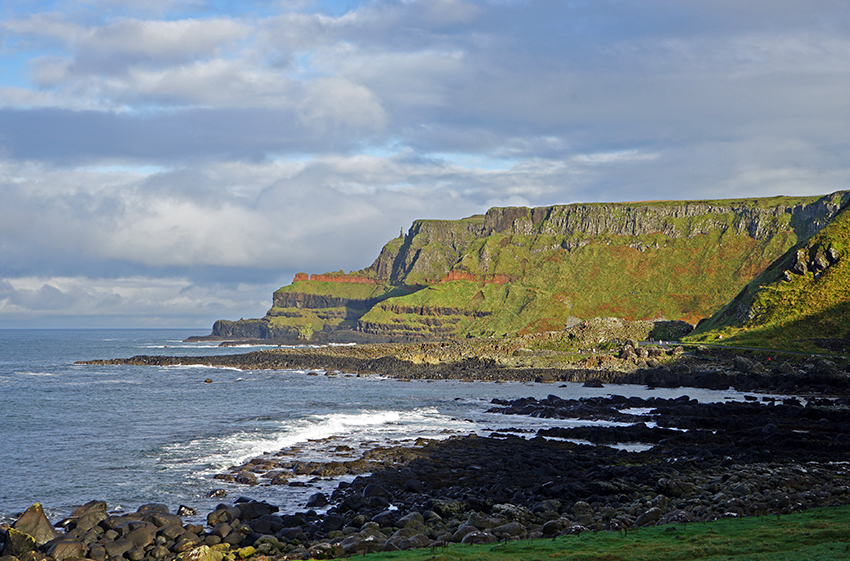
(800, 302)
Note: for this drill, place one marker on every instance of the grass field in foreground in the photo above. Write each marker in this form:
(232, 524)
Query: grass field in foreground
(817, 534)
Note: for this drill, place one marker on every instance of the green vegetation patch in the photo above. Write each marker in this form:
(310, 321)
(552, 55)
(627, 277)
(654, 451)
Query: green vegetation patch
(821, 534)
(646, 277)
(793, 306)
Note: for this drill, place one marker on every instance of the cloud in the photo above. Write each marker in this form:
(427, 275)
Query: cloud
(162, 151)
(126, 301)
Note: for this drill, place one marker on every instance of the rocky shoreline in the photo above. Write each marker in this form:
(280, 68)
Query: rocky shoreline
(693, 462)
(538, 358)
(643, 462)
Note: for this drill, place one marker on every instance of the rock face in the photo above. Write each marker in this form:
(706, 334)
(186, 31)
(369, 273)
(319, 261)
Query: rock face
(527, 270)
(799, 302)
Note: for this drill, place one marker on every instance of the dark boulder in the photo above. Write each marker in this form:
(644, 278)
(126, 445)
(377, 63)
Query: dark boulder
(118, 547)
(373, 490)
(65, 549)
(153, 508)
(478, 538)
(317, 500)
(35, 523)
(91, 506)
(18, 543)
(184, 510)
(255, 509)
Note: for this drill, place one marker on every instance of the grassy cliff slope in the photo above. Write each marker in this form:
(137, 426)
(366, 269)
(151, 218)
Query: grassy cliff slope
(532, 269)
(521, 270)
(800, 302)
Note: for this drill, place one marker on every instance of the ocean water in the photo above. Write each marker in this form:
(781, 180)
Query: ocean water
(131, 435)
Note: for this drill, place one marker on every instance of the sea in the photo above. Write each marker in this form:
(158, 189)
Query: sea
(132, 435)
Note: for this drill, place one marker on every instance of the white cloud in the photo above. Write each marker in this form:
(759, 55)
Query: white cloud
(164, 41)
(127, 301)
(162, 146)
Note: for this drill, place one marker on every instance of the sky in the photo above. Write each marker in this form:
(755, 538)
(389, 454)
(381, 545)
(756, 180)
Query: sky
(168, 163)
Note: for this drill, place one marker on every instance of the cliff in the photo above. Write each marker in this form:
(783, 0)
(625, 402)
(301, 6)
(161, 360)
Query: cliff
(799, 302)
(525, 270)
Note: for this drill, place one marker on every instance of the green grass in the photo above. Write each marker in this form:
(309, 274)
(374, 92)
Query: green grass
(821, 534)
(794, 314)
(682, 278)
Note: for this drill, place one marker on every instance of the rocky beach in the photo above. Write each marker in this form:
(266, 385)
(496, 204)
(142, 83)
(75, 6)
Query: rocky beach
(651, 461)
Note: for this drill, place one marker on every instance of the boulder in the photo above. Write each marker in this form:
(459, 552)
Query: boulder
(404, 535)
(462, 531)
(673, 487)
(142, 537)
(221, 530)
(583, 513)
(171, 532)
(160, 552)
(478, 538)
(414, 486)
(221, 515)
(185, 542)
(91, 506)
(255, 509)
(555, 527)
(413, 518)
(356, 544)
(317, 500)
(333, 522)
(448, 508)
(385, 518)
(649, 517)
(799, 266)
(118, 547)
(18, 543)
(153, 508)
(819, 262)
(373, 490)
(324, 550)
(34, 523)
(163, 520)
(742, 364)
(480, 522)
(90, 519)
(203, 553)
(509, 530)
(246, 478)
(676, 517)
(513, 512)
(97, 552)
(281, 478)
(414, 542)
(833, 255)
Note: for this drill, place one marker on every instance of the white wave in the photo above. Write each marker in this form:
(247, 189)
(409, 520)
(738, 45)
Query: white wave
(204, 366)
(380, 427)
(637, 410)
(35, 373)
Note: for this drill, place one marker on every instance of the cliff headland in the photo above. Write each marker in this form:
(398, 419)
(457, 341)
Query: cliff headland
(529, 270)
